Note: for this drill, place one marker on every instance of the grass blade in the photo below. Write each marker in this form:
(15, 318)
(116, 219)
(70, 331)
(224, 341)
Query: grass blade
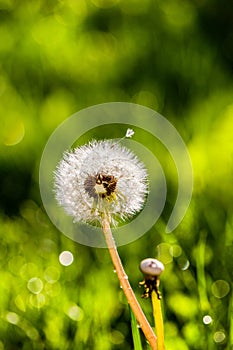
(135, 332)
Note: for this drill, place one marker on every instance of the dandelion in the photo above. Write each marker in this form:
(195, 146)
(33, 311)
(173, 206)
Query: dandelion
(105, 182)
(99, 178)
(152, 269)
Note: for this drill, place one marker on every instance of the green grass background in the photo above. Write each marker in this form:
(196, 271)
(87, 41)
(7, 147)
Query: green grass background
(58, 57)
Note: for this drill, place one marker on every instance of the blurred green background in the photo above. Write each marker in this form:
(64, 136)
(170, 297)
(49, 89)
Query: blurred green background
(58, 57)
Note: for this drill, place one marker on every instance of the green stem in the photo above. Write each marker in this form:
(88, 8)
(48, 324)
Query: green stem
(126, 287)
(200, 263)
(157, 312)
(135, 332)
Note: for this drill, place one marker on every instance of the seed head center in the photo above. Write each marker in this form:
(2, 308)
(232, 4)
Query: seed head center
(99, 189)
(100, 185)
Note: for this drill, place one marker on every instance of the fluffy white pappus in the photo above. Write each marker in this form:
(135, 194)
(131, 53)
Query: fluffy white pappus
(102, 177)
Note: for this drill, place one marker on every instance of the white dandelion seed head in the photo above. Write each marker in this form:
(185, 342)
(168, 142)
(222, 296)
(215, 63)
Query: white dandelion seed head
(100, 177)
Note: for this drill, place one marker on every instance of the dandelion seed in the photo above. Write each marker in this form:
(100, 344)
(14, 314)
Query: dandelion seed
(101, 178)
(129, 133)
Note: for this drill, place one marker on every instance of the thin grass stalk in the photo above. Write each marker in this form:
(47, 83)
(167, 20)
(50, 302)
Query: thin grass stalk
(135, 332)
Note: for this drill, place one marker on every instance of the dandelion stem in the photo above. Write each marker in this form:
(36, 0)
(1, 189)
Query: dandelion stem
(157, 312)
(123, 278)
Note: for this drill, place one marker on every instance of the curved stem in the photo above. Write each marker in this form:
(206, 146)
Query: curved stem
(157, 312)
(123, 278)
